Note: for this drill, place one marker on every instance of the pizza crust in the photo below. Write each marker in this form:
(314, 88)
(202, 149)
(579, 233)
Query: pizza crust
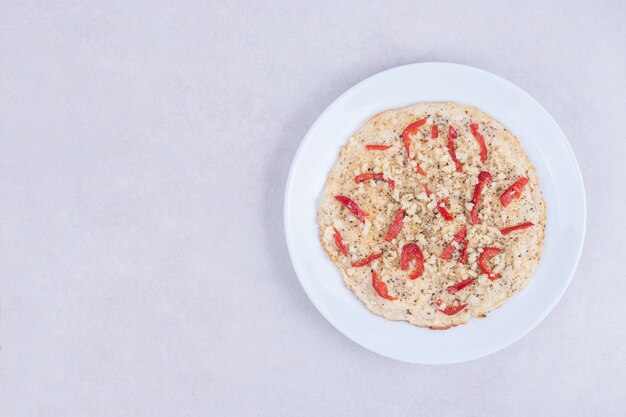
(423, 225)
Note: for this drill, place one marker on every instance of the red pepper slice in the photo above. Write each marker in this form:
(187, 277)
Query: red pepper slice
(374, 176)
(411, 130)
(487, 254)
(352, 206)
(377, 147)
(442, 210)
(434, 132)
(367, 261)
(481, 142)
(368, 176)
(458, 238)
(520, 226)
(483, 177)
(339, 243)
(463, 257)
(453, 289)
(514, 191)
(412, 252)
(380, 287)
(451, 137)
(396, 226)
(450, 310)
(406, 138)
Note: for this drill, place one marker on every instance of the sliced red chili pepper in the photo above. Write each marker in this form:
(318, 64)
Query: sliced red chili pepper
(374, 176)
(458, 238)
(483, 177)
(463, 257)
(453, 289)
(520, 226)
(380, 287)
(339, 243)
(406, 138)
(451, 137)
(377, 147)
(412, 252)
(487, 254)
(434, 132)
(411, 130)
(514, 191)
(368, 176)
(396, 226)
(352, 206)
(450, 310)
(481, 142)
(367, 261)
(442, 210)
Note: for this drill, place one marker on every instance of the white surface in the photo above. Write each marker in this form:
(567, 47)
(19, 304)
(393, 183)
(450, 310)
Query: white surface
(144, 150)
(561, 185)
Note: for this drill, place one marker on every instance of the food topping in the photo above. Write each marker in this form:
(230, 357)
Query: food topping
(453, 289)
(380, 287)
(352, 206)
(481, 142)
(374, 176)
(451, 137)
(514, 191)
(441, 208)
(434, 132)
(367, 261)
(485, 255)
(450, 310)
(339, 243)
(412, 252)
(483, 177)
(520, 226)
(463, 257)
(454, 243)
(396, 226)
(406, 138)
(377, 147)
(409, 131)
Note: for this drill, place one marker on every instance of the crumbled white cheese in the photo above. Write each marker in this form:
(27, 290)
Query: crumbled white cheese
(366, 228)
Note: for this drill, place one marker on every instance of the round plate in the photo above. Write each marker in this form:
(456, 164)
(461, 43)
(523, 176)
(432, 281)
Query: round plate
(561, 185)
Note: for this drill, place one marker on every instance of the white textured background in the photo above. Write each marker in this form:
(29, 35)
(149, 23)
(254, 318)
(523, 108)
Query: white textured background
(144, 148)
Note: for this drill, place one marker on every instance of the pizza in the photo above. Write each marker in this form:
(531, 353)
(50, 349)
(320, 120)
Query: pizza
(433, 213)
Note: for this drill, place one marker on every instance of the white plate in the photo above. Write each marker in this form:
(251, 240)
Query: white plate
(561, 185)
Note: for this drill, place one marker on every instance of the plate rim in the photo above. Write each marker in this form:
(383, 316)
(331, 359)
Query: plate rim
(307, 137)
